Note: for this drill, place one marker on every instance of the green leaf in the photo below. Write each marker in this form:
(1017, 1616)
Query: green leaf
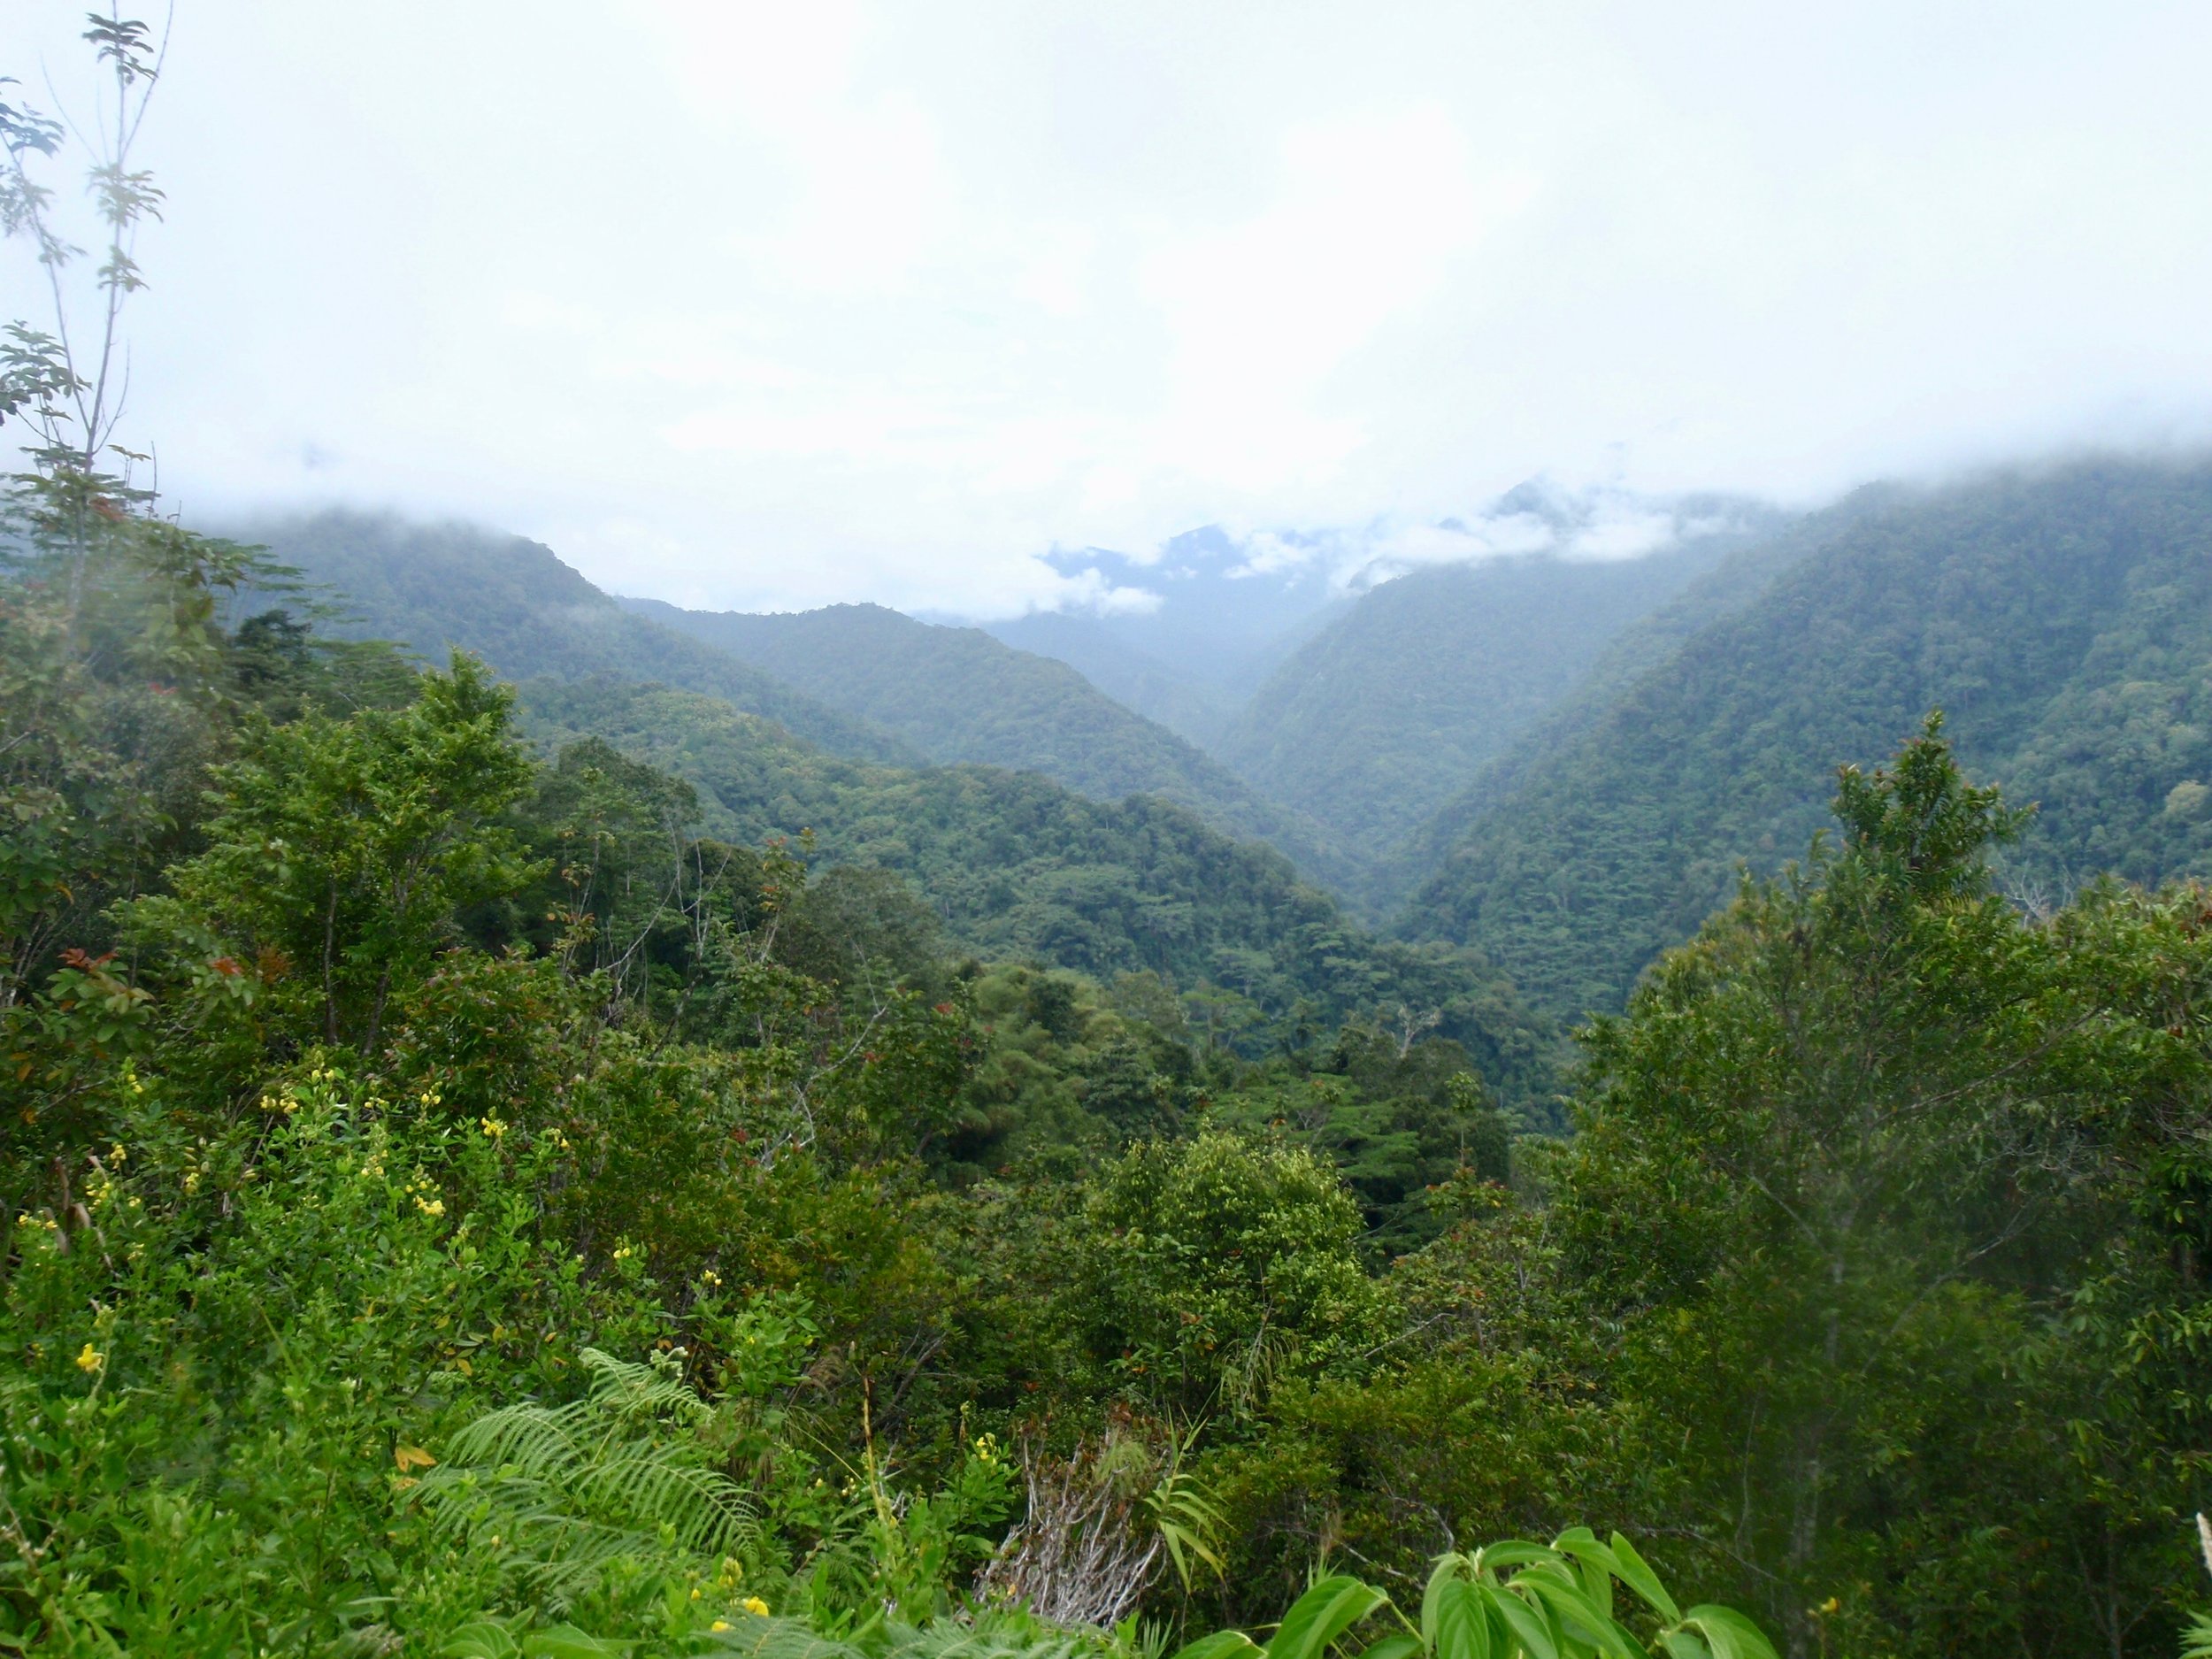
(1223, 1644)
(480, 1640)
(1579, 1619)
(1398, 1645)
(1730, 1633)
(1529, 1626)
(1512, 1552)
(1594, 1564)
(1455, 1623)
(1682, 1644)
(1322, 1615)
(1639, 1576)
(565, 1642)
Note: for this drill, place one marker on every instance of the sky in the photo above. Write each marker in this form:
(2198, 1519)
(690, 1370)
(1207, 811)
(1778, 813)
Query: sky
(772, 305)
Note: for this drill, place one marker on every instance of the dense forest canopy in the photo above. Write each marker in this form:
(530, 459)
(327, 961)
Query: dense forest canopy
(1372, 723)
(2062, 619)
(575, 1146)
(1023, 869)
(959, 695)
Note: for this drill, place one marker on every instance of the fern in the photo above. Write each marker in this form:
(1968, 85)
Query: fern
(1002, 1636)
(779, 1638)
(560, 1493)
(1007, 1635)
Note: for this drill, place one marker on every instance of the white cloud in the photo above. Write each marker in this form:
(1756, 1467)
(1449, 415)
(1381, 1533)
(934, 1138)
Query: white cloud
(1371, 210)
(1623, 533)
(775, 304)
(1090, 591)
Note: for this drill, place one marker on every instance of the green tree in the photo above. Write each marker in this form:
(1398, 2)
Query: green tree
(342, 850)
(1218, 1264)
(1832, 1161)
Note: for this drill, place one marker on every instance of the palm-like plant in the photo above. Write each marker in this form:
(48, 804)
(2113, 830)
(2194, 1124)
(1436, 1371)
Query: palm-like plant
(1509, 1600)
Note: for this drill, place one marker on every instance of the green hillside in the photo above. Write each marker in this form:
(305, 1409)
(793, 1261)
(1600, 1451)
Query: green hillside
(2062, 619)
(1372, 725)
(434, 587)
(957, 695)
(1022, 868)
(1733, 583)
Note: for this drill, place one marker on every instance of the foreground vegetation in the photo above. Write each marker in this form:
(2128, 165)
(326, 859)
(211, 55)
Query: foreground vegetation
(457, 1204)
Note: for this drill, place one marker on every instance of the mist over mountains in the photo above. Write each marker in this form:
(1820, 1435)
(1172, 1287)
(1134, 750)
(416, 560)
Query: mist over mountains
(1547, 733)
(1106, 831)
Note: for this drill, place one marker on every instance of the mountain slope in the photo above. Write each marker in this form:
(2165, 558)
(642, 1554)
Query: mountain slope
(1735, 582)
(1023, 868)
(1188, 705)
(2062, 619)
(957, 695)
(434, 587)
(1374, 723)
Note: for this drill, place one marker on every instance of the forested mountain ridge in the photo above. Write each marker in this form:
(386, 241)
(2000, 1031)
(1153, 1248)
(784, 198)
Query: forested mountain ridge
(1733, 583)
(1373, 723)
(2062, 619)
(1018, 864)
(433, 588)
(1022, 868)
(958, 695)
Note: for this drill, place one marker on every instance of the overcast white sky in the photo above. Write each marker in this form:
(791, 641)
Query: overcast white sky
(775, 304)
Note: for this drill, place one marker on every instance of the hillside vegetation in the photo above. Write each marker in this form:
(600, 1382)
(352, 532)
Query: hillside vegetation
(438, 588)
(1021, 868)
(957, 695)
(2062, 619)
(461, 1204)
(1374, 723)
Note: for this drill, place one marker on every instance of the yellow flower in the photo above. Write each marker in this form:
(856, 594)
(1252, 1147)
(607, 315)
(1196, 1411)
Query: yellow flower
(753, 1604)
(90, 1360)
(494, 1128)
(720, 1624)
(430, 1206)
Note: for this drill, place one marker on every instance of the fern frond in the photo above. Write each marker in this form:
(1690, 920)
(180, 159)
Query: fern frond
(650, 1389)
(988, 1638)
(568, 1490)
(779, 1638)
